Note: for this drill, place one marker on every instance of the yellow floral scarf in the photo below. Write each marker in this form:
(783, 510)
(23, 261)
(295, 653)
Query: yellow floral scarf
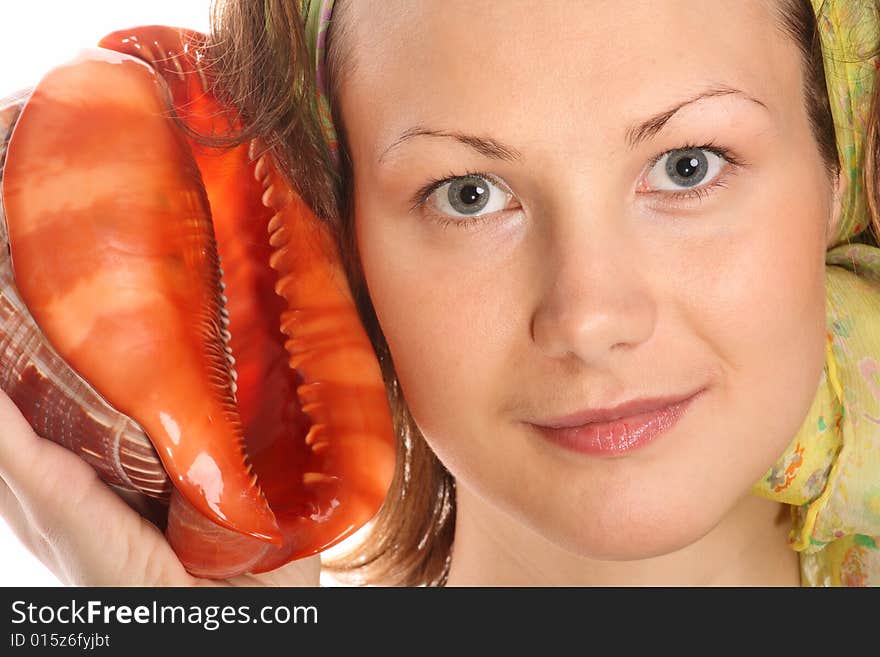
(830, 473)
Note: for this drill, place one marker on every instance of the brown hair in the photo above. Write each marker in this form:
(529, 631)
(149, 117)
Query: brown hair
(258, 57)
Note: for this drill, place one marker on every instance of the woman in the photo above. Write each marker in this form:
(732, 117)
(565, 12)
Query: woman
(549, 231)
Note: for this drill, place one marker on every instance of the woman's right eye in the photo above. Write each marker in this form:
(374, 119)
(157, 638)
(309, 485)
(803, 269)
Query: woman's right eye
(467, 196)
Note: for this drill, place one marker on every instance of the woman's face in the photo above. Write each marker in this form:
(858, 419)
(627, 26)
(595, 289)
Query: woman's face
(591, 260)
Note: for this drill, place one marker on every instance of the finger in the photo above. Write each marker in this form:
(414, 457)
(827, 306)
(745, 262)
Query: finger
(22, 527)
(302, 572)
(21, 524)
(149, 508)
(95, 537)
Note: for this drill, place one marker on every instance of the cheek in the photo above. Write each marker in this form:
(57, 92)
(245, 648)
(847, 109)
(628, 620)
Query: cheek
(441, 325)
(764, 311)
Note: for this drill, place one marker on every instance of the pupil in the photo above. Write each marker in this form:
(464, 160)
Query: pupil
(687, 166)
(468, 195)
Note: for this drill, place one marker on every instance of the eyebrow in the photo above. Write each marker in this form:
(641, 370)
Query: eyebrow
(483, 145)
(646, 129)
(635, 135)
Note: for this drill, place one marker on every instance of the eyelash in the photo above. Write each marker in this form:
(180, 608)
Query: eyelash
(421, 197)
(700, 192)
(697, 193)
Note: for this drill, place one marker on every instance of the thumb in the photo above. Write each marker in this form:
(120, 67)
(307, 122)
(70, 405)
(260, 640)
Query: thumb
(89, 533)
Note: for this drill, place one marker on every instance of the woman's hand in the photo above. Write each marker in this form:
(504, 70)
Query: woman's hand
(83, 531)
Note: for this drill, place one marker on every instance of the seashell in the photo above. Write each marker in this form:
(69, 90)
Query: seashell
(260, 393)
(56, 401)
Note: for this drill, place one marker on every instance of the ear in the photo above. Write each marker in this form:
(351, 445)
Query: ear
(838, 191)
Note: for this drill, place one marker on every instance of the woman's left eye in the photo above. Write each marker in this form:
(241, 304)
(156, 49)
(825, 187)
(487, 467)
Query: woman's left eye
(685, 168)
(473, 195)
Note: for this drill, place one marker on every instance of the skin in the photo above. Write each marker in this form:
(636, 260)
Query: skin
(588, 285)
(582, 290)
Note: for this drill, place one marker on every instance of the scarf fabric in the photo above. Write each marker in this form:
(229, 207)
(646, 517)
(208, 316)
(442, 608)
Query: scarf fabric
(317, 14)
(830, 472)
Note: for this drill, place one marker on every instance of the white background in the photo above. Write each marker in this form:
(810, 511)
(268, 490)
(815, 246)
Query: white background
(34, 36)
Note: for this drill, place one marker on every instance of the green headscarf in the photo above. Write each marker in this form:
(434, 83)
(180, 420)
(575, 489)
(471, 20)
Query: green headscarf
(830, 473)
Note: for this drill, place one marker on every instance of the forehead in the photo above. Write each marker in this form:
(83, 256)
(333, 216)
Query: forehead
(559, 64)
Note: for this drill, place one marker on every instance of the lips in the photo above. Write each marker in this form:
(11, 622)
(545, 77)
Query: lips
(626, 409)
(616, 430)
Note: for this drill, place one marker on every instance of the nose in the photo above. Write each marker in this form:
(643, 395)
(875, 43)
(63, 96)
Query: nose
(595, 301)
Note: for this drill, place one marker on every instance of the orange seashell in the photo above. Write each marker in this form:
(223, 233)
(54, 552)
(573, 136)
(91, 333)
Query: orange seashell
(53, 397)
(268, 412)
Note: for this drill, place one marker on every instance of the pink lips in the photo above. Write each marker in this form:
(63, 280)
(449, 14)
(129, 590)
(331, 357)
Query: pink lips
(616, 431)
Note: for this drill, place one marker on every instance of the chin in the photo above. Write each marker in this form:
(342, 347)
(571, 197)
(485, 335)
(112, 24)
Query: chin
(627, 532)
(629, 544)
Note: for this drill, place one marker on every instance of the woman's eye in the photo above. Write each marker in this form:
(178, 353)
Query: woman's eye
(468, 196)
(684, 168)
